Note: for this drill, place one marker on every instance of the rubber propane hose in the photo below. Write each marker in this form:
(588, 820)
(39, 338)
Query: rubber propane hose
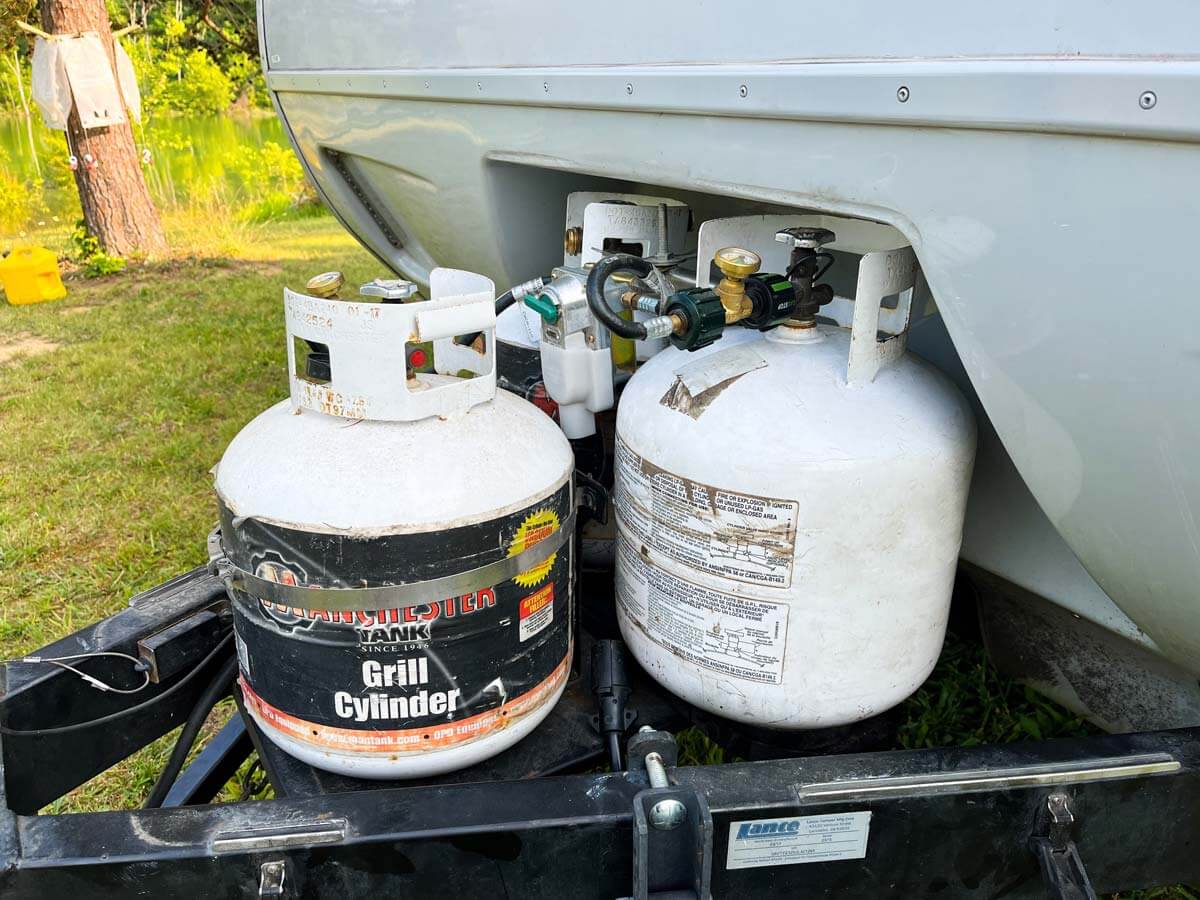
(603, 270)
(504, 301)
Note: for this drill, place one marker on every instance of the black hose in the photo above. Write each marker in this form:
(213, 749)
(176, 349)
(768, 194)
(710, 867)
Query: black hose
(634, 331)
(504, 301)
(217, 688)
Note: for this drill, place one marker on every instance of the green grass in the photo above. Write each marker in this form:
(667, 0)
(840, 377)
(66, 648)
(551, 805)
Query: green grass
(107, 441)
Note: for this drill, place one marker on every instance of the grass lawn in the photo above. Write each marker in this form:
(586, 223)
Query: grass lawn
(117, 401)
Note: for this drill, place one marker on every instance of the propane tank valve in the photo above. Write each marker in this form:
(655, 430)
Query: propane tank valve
(805, 268)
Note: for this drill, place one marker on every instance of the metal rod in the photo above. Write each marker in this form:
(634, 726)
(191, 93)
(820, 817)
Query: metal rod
(657, 770)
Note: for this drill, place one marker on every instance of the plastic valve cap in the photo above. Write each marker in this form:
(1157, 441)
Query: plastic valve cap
(544, 307)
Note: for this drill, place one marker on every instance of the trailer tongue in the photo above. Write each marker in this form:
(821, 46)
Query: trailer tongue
(1023, 820)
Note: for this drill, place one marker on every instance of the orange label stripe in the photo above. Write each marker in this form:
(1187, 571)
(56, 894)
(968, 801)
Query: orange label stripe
(433, 737)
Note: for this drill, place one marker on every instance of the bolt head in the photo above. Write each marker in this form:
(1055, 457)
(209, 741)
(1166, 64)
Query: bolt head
(902, 93)
(629, 88)
(743, 91)
(667, 814)
(1148, 100)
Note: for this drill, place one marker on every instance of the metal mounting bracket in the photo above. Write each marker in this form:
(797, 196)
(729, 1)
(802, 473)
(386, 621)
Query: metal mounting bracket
(1062, 869)
(272, 880)
(672, 826)
(673, 861)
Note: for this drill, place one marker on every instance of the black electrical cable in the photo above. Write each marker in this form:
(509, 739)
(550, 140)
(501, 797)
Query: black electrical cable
(217, 688)
(822, 255)
(122, 713)
(634, 331)
(614, 752)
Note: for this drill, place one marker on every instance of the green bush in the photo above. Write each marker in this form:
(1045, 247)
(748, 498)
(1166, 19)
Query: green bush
(96, 263)
(173, 78)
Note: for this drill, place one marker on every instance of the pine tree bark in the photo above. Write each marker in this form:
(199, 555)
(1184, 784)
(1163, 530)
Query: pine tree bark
(116, 203)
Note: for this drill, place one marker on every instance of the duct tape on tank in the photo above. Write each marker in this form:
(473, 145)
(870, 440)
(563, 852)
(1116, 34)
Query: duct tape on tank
(396, 596)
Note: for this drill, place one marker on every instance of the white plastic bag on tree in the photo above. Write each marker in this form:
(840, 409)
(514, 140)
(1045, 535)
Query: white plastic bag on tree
(127, 79)
(50, 88)
(93, 84)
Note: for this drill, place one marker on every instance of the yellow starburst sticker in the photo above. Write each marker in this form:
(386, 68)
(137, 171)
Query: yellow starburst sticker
(536, 528)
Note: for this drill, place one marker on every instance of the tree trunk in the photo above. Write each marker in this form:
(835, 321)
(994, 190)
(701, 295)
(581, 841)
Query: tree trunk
(116, 204)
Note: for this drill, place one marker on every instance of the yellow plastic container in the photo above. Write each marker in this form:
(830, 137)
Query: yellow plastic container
(30, 275)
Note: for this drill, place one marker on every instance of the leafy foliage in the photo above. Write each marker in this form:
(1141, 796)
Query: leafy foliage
(96, 263)
(12, 11)
(967, 702)
(199, 61)
(172, 76)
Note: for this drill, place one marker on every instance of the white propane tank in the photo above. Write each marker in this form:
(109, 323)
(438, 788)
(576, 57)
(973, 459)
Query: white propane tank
(788, 533)
(398, 546)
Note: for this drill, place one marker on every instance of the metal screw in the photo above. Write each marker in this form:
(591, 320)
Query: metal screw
(629, 88)
(479, 85)
(902, 93)
(546, 86)
(1147, 100)
(743, 91)
(667, 814)
(427, 85)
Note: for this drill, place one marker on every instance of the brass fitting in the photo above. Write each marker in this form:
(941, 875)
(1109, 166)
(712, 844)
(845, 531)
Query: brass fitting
(573, 241)
(640, 301)
(326, 285)
(736, 265)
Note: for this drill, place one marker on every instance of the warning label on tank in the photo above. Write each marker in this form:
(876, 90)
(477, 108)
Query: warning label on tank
(739, 536)
(739, 636)
(536, 612)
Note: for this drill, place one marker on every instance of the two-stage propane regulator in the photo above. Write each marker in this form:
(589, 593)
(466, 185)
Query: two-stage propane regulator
(789, 493)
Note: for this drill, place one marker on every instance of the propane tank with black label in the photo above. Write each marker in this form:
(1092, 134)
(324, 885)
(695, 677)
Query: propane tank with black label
(398, 541)
(790, 500)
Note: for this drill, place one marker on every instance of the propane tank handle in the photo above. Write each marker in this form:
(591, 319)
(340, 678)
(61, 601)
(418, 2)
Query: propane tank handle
(881, 274)
(368, 372)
